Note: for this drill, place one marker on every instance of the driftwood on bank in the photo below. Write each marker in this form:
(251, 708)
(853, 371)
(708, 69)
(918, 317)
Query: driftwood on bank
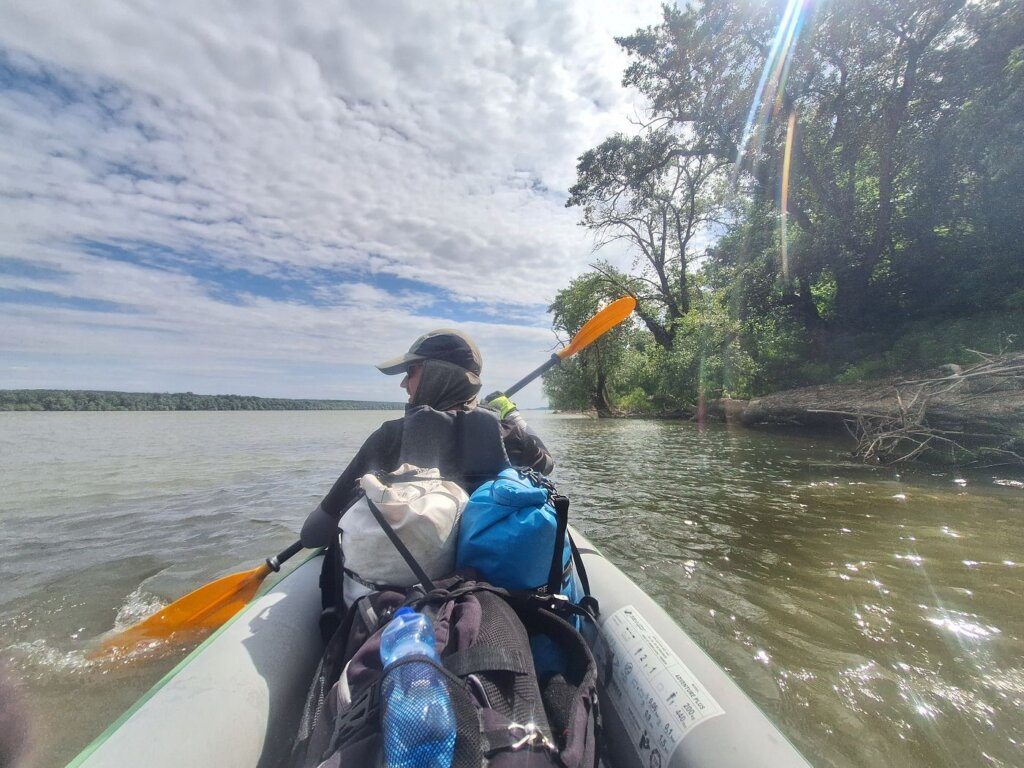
(975, 413)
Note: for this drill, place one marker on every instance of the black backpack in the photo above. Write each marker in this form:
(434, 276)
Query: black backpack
(506, 714)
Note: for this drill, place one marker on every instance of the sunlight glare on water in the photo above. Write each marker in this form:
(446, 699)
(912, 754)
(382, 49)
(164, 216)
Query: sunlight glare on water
(872, 615)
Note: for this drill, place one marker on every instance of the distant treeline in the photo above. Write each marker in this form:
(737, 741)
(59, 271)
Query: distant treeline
(89, 400)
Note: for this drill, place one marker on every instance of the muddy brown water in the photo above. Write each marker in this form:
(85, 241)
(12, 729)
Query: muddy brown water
(875, 616)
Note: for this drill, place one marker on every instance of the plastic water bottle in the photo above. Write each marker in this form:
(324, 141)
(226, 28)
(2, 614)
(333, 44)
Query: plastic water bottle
(419, 724)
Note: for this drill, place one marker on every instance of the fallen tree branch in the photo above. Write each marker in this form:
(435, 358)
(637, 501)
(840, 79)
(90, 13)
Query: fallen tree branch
(905, 434)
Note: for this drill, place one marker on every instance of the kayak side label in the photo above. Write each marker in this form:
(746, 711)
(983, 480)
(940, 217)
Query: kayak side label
(657, 696)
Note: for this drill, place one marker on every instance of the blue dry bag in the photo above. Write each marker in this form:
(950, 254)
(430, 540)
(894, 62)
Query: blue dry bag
(509, 531)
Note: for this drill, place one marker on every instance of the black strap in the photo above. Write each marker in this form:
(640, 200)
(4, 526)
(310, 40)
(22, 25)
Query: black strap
(400, 546)
(483, 658)
(561, 505)
(577, 558)
(588, 602)
(369, 616)
(362, 712)
(332, 586)
(520, 599)
(440, 596)
(374, 586)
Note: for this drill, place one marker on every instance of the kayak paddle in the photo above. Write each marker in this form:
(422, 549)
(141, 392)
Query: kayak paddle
(595, 328)
(213, 604)
(203, 609)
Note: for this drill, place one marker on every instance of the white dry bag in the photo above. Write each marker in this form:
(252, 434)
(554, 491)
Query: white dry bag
(422, 509)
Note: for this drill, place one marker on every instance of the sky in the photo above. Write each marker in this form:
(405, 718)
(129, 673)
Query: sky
(266, 197)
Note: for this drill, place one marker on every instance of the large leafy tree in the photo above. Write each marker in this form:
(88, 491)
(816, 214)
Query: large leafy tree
(964, 213)
(811, 181)
(636, 190)
(855, 78)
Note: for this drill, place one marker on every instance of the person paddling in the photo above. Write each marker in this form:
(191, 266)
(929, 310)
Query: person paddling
(465, 430)
(444, 426)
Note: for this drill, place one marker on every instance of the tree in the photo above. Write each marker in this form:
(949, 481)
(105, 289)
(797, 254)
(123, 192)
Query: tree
(586, 380)
(813, 190)
(854, 83)
(964, 215)
(628, 191)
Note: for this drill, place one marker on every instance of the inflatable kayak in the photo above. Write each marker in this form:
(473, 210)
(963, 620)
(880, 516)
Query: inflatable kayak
(236, 700)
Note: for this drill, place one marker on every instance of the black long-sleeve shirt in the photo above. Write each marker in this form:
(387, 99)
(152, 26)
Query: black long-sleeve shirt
(383, 449)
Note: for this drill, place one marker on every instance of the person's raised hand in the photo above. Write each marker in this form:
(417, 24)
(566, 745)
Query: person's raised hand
(500, 402)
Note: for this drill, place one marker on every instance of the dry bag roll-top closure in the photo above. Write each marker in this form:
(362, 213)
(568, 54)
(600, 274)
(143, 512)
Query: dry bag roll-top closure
(514, 534)
(421, 508)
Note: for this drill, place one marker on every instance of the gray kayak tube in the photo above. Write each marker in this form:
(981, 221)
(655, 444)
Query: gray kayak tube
(234, 702)
(664, 702)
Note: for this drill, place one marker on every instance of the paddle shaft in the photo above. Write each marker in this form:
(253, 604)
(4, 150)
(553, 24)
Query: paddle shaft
(591, 331)
(274, 563)
(548, 364)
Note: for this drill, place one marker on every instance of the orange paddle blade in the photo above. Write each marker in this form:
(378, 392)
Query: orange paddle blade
(204, 609)
(599, 325)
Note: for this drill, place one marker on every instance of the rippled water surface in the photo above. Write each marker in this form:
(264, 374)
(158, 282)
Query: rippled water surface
(875, 617)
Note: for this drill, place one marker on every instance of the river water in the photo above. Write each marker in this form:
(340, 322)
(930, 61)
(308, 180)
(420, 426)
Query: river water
(876, 617)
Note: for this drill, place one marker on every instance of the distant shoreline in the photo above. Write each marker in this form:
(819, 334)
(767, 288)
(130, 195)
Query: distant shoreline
(102, 400)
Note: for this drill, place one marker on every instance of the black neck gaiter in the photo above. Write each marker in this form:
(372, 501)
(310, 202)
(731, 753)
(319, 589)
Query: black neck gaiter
(445, 386)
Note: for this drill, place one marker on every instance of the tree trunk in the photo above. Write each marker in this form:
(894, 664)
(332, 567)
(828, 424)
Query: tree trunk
(805, 308)
(853, 291)
(599, 398)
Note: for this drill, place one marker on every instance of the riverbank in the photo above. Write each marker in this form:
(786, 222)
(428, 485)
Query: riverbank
(964, 415)
(973, 414)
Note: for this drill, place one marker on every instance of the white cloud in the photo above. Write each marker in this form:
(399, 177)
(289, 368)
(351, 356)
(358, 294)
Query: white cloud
(428, 142)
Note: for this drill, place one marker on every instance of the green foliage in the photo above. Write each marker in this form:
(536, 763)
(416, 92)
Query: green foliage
(636, 401)
(87, 400)
(568, 388)
(1015, 301)
(589, 379)
(779, 348)
(866, 370)
(709, 349)
(824, 292)
(929, 344)
(904, 240)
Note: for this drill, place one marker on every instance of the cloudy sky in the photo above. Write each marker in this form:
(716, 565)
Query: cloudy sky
(266, 197)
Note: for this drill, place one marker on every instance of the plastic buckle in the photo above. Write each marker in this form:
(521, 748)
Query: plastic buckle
(528, 736)
(537, 479)
(557, 603)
